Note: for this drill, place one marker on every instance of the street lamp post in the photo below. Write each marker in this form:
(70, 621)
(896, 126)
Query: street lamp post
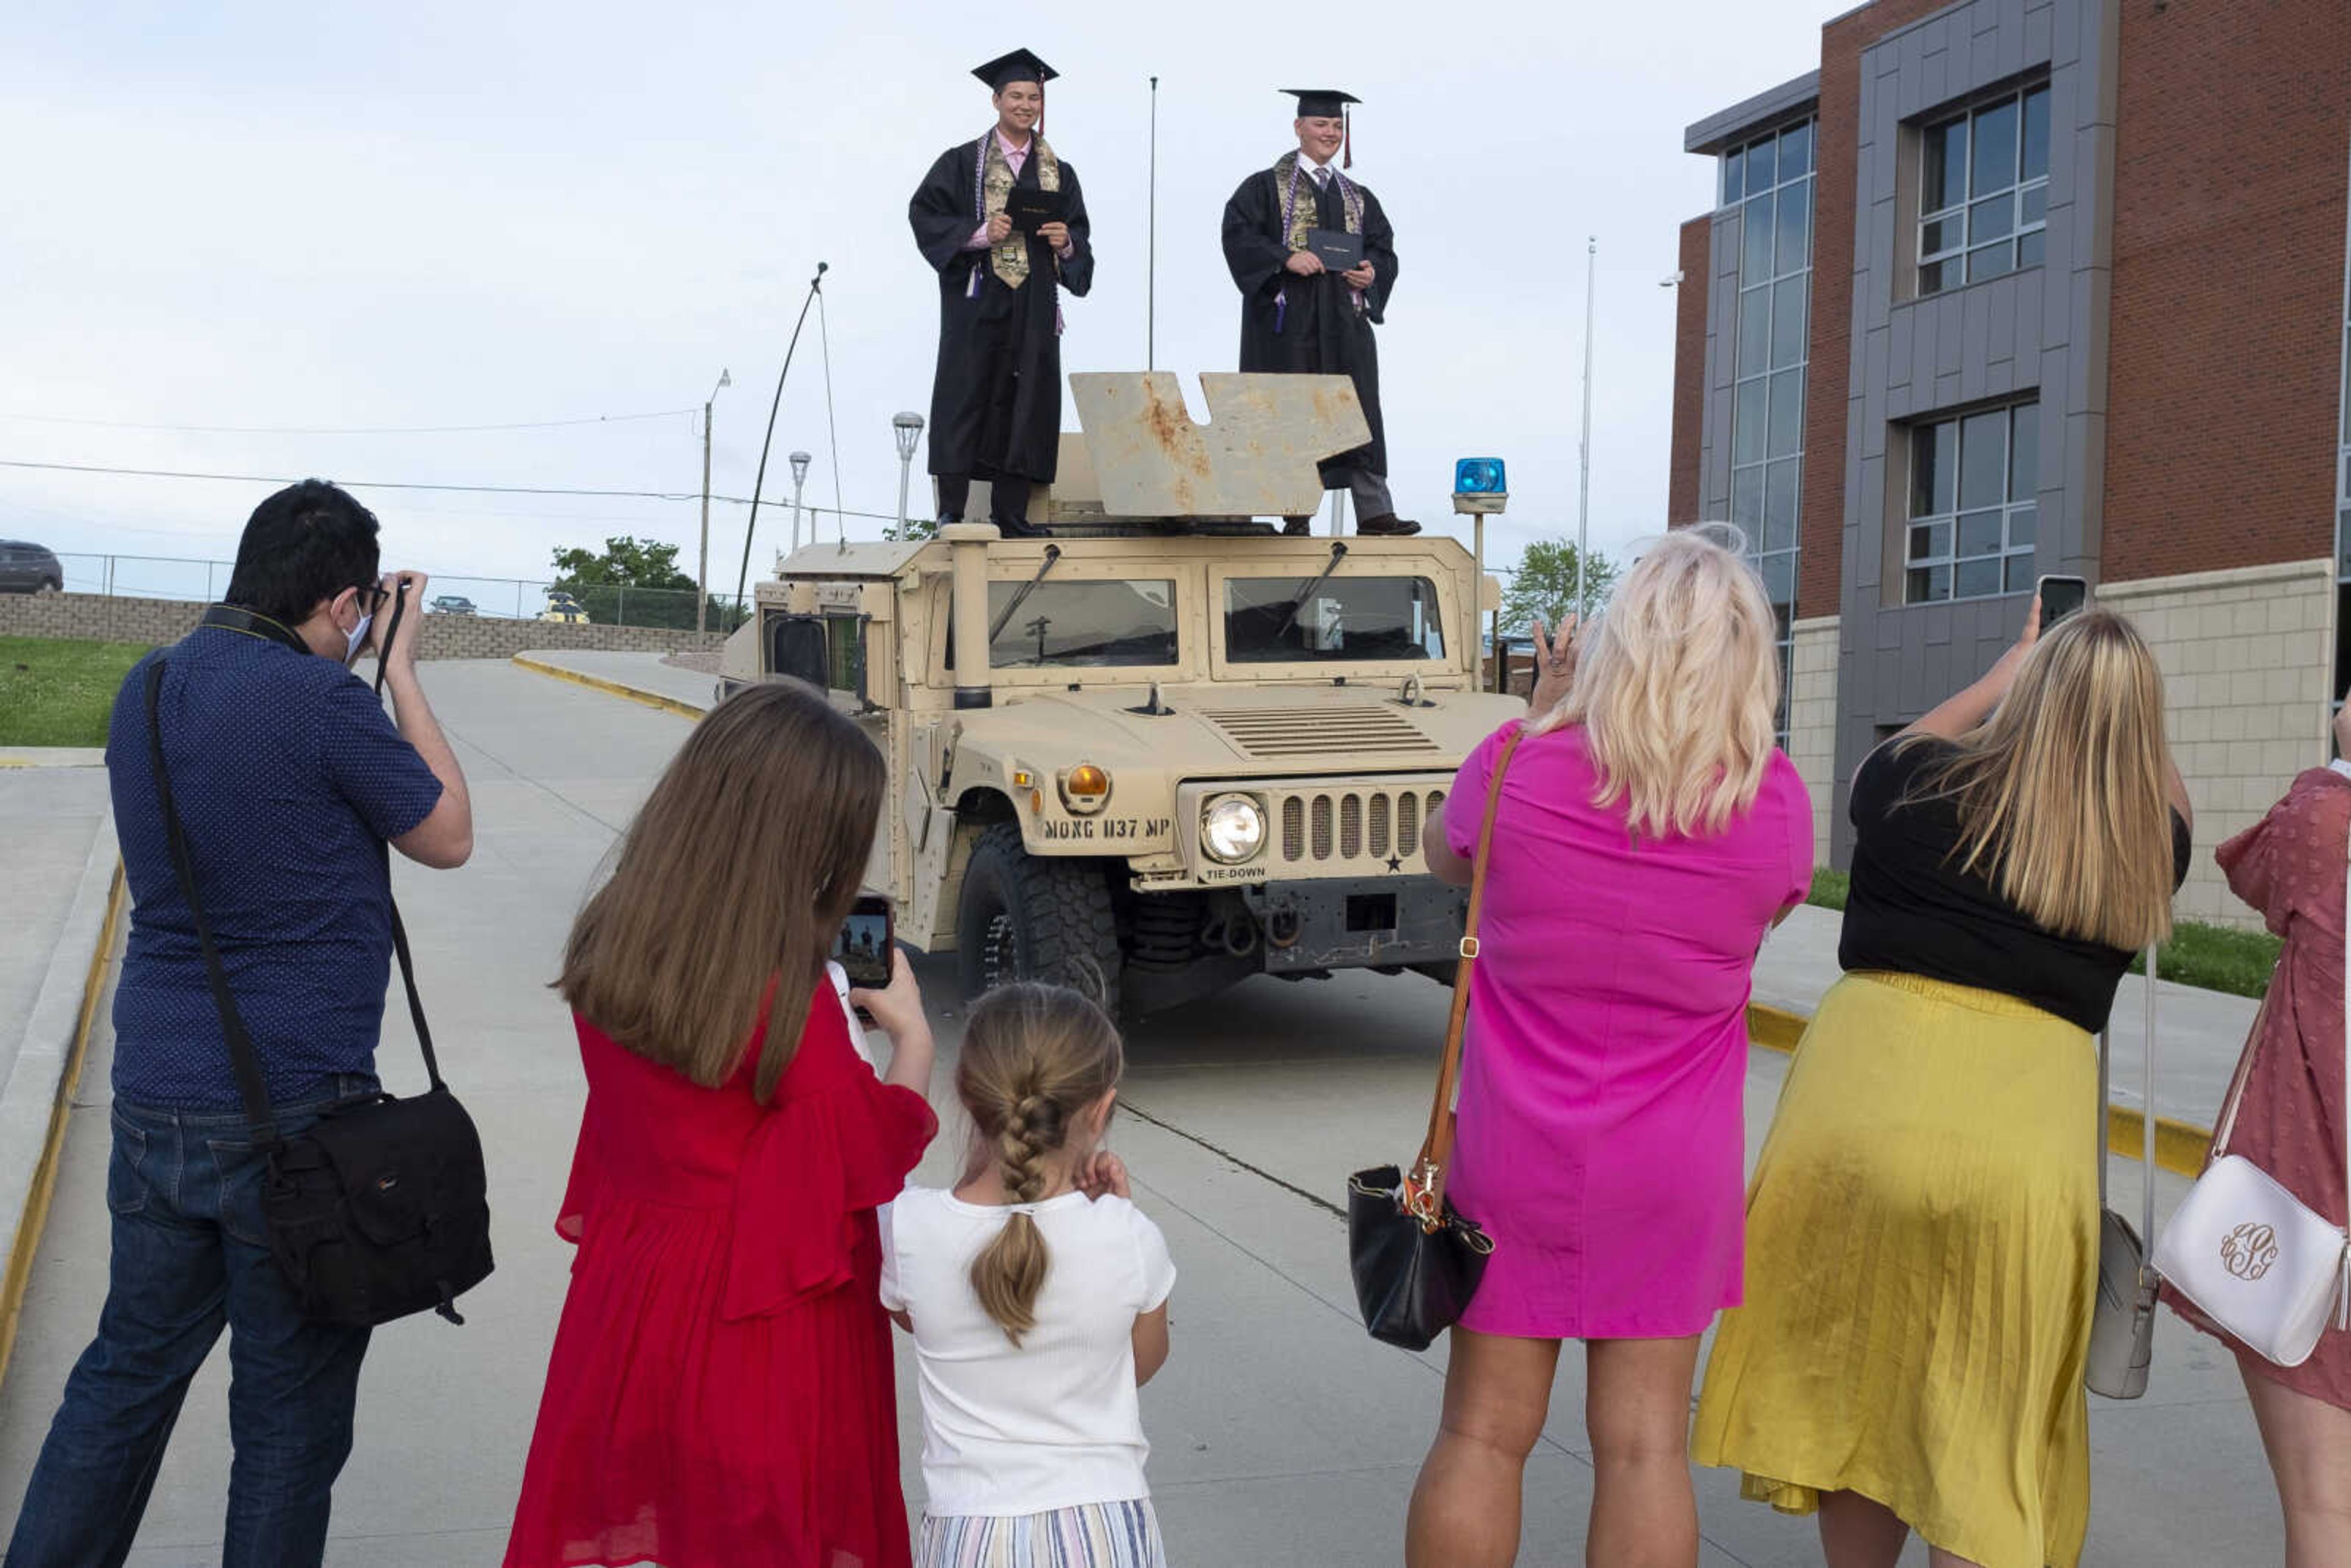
(908, 429)
(702, 571)
(800, 461)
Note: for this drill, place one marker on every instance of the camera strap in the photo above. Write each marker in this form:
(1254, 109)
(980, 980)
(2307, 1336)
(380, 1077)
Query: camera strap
(244, 1061)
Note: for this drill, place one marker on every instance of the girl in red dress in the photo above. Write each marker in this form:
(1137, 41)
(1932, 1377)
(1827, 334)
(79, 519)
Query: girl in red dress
(720, 1392)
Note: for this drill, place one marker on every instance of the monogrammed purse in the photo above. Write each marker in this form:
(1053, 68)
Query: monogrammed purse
(2260, 1263)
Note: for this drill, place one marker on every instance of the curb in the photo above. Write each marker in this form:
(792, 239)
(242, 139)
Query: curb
(52, 756)
(2180, 1148)
(612, 688)
(37, 1099)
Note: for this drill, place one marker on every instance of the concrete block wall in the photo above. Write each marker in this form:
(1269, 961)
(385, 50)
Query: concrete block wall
(1812, 720)
(2247, 655)
(155, 621)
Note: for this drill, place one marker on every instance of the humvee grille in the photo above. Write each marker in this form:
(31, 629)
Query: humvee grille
(1318, 731)
(1355, 824)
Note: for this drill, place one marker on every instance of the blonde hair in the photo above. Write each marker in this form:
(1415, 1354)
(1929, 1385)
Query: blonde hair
(743, 861)
(2060, 793)
(1678, 686)
(1035, 1057)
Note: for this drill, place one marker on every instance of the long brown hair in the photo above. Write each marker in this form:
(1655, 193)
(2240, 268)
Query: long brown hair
(736, 872)
(2060, 793)
(1034, 1059)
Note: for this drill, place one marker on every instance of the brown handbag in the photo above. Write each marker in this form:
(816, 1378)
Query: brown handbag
(1416, 1260)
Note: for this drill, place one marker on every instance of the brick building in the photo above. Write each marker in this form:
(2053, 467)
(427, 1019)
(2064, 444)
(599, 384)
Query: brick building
(2009, 288)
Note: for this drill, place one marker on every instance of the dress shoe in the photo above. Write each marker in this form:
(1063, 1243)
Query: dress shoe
(1387, 524)
(1296, 528)
(1018, 529)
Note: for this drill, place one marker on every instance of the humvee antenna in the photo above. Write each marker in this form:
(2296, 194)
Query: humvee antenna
(1052, 557)
(743, 576)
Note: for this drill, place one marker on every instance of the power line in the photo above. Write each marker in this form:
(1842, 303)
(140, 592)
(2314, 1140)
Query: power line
(353, 430)
(416, 485)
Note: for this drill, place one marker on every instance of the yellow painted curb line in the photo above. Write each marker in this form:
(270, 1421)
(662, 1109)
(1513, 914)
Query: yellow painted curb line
(45, 1176)
(614, 688)
(2179, 1147)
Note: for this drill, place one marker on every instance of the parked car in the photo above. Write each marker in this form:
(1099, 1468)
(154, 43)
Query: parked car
(452, 604)
(561, 607)
(27, 568)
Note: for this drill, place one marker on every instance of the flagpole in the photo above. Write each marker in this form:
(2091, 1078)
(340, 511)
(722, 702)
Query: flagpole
(1583, 489)
(1151, 252)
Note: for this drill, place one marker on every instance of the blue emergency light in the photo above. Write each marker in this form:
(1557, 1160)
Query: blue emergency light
(1481, 485)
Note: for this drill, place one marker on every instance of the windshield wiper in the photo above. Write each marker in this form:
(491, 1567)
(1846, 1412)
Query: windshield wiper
(1052, 554)
(1338, 553)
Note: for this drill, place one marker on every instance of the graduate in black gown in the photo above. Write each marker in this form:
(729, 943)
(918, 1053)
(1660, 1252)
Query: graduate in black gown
(1297, 316)
(996, 398)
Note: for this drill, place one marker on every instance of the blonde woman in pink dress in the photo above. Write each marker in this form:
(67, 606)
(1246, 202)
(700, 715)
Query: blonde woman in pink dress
(1649, 833)
(2290, 866)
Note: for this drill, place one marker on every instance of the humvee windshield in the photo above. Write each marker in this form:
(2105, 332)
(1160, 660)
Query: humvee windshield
(1347, 618)
(1120, 621)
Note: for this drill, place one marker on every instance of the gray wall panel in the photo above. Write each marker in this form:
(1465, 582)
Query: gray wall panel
(2038, 332)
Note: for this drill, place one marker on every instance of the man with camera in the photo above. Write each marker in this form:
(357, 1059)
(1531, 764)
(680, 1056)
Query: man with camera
(289, 779)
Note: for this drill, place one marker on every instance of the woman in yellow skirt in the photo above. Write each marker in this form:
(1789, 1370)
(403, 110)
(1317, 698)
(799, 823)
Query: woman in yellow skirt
(1922, 1231)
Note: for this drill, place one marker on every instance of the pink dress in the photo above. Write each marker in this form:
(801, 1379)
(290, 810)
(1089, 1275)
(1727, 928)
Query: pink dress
(2289, 866)
(1602, 1135)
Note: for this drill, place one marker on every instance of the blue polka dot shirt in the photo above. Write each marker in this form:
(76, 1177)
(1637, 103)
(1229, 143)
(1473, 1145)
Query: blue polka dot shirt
(288, 775)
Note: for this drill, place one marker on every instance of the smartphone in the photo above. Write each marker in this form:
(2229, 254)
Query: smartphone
(868, 940)
(2060, 597)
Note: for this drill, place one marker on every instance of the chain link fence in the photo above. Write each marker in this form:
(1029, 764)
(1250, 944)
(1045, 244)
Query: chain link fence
(496, 598)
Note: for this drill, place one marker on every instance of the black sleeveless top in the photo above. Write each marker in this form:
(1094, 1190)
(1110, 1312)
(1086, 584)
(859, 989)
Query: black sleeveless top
(1911, 909)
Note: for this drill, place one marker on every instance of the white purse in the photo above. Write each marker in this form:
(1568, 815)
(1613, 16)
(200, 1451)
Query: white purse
(2122, 1319)
(2247, 1252)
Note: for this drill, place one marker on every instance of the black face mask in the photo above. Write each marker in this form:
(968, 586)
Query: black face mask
(232, 618)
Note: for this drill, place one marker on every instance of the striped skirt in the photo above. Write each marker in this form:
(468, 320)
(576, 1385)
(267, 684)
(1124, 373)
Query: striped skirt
(1091, 1535)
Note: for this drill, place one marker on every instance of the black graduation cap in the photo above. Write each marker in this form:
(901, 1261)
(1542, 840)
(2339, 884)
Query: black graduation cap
(1319, 103)
(1324, 103)
(1019, 66)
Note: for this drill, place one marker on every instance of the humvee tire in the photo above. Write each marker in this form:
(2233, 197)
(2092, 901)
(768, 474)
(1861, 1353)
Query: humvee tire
(1024, 917)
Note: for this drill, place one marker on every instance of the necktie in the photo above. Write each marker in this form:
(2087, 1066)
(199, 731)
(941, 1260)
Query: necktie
(1321, 175)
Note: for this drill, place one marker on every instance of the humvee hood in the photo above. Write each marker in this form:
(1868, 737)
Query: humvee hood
(1239, 731)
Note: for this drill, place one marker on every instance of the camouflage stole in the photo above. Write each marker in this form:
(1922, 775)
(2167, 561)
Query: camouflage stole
(992, 184)
(1297, 187)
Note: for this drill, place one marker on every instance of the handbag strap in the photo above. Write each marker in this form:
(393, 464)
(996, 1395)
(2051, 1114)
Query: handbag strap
(252, 1088)
(1436, 1148)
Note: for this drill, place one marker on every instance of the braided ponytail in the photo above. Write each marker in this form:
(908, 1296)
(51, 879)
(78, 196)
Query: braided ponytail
(1034, 1056)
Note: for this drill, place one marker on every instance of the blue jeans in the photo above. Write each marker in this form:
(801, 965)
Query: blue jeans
(189, 1258)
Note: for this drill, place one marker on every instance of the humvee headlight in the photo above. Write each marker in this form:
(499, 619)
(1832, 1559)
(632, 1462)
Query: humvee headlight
(1232, 828)
(1085, 790)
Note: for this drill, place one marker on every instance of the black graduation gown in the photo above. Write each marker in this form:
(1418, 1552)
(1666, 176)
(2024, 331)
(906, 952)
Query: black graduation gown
(996, 398)
(1320, 329)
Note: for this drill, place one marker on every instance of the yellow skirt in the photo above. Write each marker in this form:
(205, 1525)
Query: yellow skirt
(1922, 1248)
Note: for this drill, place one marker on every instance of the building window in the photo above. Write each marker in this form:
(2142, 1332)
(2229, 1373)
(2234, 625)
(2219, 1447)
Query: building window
(1983, 192)
(1973, 513)
(1769, 181)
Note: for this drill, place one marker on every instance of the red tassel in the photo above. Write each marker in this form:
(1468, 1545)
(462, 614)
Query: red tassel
(1041, 109)
(1346, 138)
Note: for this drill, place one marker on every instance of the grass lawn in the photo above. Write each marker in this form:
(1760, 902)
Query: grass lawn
(2216, 958)
(58, 691)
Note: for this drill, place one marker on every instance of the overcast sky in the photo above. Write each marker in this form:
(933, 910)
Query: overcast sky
(442, 214)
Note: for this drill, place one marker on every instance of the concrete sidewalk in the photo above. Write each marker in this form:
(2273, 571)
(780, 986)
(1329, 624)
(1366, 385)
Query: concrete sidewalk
(2197, 1034)
(1282, 1435)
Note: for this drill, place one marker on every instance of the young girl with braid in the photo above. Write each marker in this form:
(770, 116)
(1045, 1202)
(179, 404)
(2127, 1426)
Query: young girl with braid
(1037, 1295)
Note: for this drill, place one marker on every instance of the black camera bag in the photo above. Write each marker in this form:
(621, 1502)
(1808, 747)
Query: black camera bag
(379, 1209)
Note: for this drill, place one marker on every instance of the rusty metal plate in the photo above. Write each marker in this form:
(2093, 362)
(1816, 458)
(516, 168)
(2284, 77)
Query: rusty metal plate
(1255, 457)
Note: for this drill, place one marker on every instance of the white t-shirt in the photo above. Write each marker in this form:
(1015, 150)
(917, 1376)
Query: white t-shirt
(1053, 1422)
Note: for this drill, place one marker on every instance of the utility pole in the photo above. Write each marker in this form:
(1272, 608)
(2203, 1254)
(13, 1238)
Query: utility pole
(1584, 487)
(702, 571)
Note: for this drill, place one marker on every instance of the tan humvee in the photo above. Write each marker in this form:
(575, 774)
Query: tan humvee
(1165, 748)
